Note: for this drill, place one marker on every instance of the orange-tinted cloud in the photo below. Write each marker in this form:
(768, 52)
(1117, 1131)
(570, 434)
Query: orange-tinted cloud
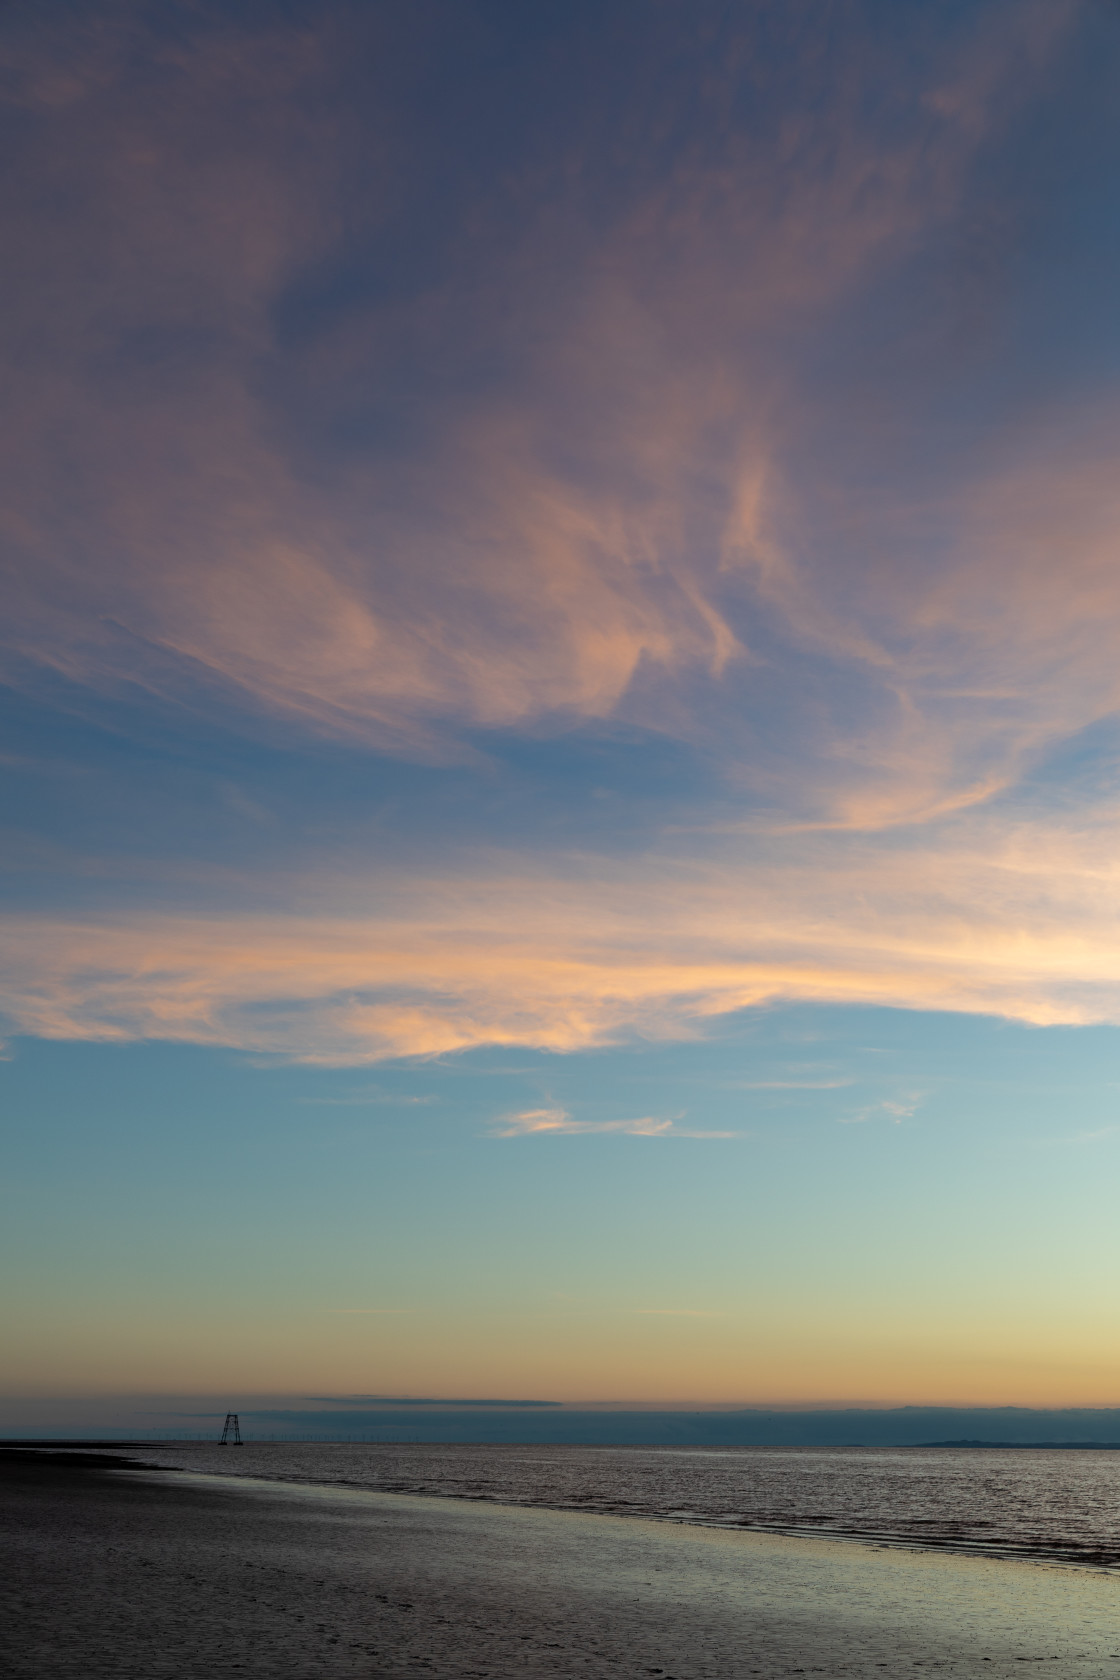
(569, 543)
(532, 1121)
(984, 920)
(626, 520)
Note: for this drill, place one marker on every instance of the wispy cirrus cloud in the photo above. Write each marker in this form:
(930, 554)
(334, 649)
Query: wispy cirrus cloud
(896, 1109)
(578, 468)
(985, 917)
(531, 1121)
(1074, 1140)
(609, 529)
(790, 1084)
(368, 1099)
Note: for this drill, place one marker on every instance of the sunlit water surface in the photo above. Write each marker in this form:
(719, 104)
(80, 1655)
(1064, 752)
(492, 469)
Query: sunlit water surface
(1059, 1505)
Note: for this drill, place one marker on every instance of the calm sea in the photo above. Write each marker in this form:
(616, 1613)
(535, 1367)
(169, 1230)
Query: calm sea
(1056, 1505)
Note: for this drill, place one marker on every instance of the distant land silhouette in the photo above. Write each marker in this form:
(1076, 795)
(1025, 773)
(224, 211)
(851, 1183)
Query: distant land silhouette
(517, 1424)
(1050, 1446)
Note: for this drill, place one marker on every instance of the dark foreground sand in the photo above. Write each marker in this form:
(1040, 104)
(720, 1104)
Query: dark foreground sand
(148, 1574)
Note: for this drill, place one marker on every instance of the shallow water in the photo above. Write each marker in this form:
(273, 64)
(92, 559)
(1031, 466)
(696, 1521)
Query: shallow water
(147, 1574)
(1049, 1505)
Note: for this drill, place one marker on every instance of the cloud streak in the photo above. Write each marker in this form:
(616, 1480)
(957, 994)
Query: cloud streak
(532, 1121)
(895, 1109)
(985, 919)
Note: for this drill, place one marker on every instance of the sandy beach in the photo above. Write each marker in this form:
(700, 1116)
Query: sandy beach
(137, 1574)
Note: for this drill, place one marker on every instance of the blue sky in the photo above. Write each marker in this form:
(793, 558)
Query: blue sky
(560, 701)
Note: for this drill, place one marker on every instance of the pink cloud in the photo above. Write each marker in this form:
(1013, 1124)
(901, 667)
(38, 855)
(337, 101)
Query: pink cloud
(535, 1120)
(575, 544)
(628, 524)
(982, 919)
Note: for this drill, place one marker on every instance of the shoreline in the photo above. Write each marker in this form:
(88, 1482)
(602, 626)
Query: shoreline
(1036, 1557)
(1099, 1563)
(137, 1572)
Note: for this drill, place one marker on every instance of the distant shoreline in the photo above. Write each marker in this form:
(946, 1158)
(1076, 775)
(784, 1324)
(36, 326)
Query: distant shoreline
(62, 1443)
(1025, 1446)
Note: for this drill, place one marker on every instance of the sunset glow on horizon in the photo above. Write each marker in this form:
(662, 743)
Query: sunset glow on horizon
(561, 666)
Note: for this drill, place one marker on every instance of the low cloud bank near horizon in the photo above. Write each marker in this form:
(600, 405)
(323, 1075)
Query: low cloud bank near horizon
(886, 1426)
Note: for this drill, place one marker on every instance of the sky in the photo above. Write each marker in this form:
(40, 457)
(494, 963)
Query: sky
(561, 706)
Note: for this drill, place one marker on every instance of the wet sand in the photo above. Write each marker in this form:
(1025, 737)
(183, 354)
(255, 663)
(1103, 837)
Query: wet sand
(139, 1575)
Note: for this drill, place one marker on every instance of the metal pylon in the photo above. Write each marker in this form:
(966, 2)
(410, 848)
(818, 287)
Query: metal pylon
(231, 1431)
